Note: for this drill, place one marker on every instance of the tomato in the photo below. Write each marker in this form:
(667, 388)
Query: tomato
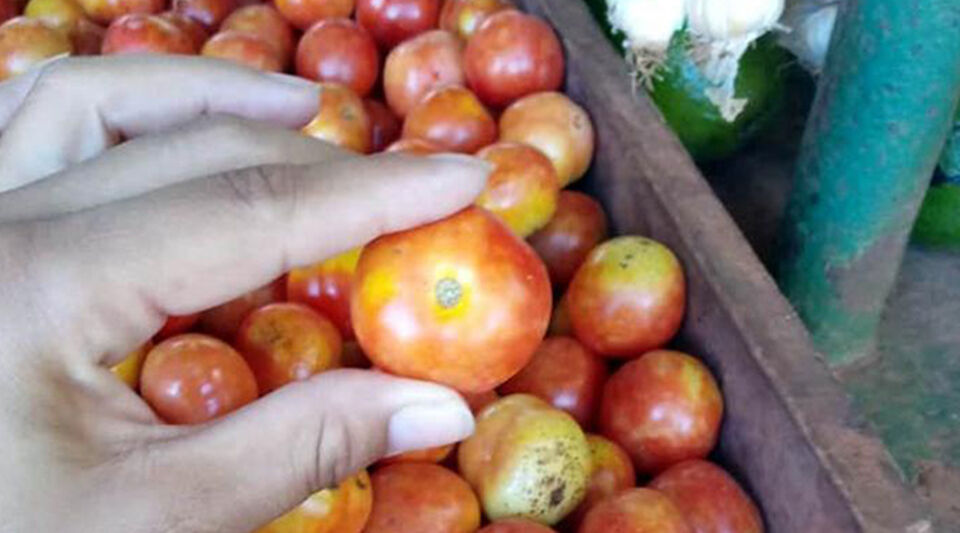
(306, 13)
(556, 126)
(176, 325)
(512, 55)
(139, 33)
(338, 50)
(224, 320)
(107, 11)
(325, 286)
(478, 401)
(429, 455)
(286, 342)
(418, 66)
(263, 20)
(24, 42)
(463, 17)
(194, 378)
(610, 472)
(560, 321)
(461, 301)
(341, 119)
(87, 38)
(564, 374)
(577, 226)
(344, 509)
(711, 500)
(628, 297)
(242, 48)
(452, 118)
(421, 497)
(210, 13)
(384, 125)
(197, 33)
(394, 21)
(63, 14)
(522, 191)
(662, 408)
(516, 525)
(8, 10)
(414, 146)
(526, 459)
(635, 511)
(128, 370)
(353, 356)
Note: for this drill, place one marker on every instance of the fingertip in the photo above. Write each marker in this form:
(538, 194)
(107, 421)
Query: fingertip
(428, 425)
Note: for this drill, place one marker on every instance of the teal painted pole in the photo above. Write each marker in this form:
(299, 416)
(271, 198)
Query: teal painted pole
(883, 109)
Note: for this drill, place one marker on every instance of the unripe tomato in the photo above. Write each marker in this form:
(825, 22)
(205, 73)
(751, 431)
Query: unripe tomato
(421, 497)
(24, 42)
(611, 471)
(140, 33)
(516, 525)
(306, 13)
(339, 51)
(63, 14)
(325, 286)
(344, 509)
(711, 500)
(242, 48)
(384, 125)
(452, 118)
(341, 119)
(394, 21)
(635, 511)
(418, 66)
(128, 370)
(463, 17)
(578, 225)
(265, 21)
(522, 191)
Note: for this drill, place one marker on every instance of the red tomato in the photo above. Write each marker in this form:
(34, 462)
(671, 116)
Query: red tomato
(429, 455)
(418, 66)
(325, 286)
(306, 13)
(341, 120)
(414, 146)
(194, 378)
(353, 356)
(479, 401)
(106, 11)
(344, 509)
(628, 297)
(421, 497)
(286, 342)
(577, 226)
(452, 118)
(263, 20)
(224, 320)
(662, 408)
(610, 472)
(8, 10)
(210, 13)
(523, 188)
(462, 301)
(556, 126)
(394, 21)
(560, 321)
(87, 38)
(384, 125)
(25, 42)
(242, 48)
(711, 500)
(511, 56)
(338, 50)
(139, 33)
(197, 33)
(635, 511)
(463, 17)
(516, 525)
(176, 325)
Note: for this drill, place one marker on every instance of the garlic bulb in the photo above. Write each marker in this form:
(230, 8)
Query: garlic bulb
(727, 19)
(647, 24)
(810, 26)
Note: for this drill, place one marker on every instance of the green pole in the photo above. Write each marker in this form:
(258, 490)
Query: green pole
(884, 106)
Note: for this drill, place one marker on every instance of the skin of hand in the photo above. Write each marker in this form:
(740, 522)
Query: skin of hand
(213, 193)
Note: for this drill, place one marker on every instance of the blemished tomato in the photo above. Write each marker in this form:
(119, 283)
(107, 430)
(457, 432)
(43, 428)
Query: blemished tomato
(463, 17)
(106, 11)
(176, 325)
(87, 38)
(429, 455)
(384, 125)
(197, 33)
(512, 55)
(560, 321)
(414, 146)
(242, 48)
(564, 374)
(338, 50)
(210, 13)
(462, 302)
(341, 119)
(555, 125)
(611, 471)
(139, 33)
(325, 286)
(710, 498)
(128, 370)
(193, 378)
(578, 225)
(662, 408)
(516, 525)
(224, 320)
(24, 42)
(526, 459)
(286, 342)
(421, 497)
(344, 509)
(628, 297)
(263, 20)
(522, 191)
(394, 21)
(306, 13)
(452, 118)
(63, 14)
(635, 511)
(418, 66)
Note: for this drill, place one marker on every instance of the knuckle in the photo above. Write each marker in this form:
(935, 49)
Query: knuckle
(268, 193)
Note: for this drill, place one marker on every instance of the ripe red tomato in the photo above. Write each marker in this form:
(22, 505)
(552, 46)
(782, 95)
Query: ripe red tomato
(286, 342)
(344, 509)
(577, 226)
(197, 33)
(463, 17)
(452, 118)
(635, 511)
(516, 525)
(338, 50)
(564, 374)
(662, 408)
(325, 286)
(87, 38)
(176, 325)
(306, 13)
(210, 13)
(711, 500)
(511, 56)
(242, 48)
(264, 20)
(394, 21)
(610, 472)
(414, 146)
(341, 120)
(421, 497)
(194, 378)
(429, 455)
(7, 10)
(628, 297)
(107, 11)
(138, 33)
(25, 42)
(224, 320)
(384, 125)
(522, 191)
(418, 66)
(462, 301)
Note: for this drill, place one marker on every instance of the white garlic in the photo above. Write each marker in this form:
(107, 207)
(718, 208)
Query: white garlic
(728, 19)
(647, 24)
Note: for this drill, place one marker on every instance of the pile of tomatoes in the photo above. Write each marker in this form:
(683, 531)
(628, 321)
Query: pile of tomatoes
(577, 404)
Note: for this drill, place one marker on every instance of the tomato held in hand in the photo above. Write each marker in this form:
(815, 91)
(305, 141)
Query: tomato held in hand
(418, 66)
(711, 500)
(341, 510)
(394, 21)
(242, 48)
(628, 297)
(577, 226)
(265, 21)
(194, 378)
(429, 455)
(463, 17)
(384, 125)
(452, 118)
(224, 320)
(516, 525)
(462, 302)
(197, 33)
(325, 286)
(24, 42)
(138, 34)
(636, 511)
(421, 497)
(662, 408)
(128, 370)
(338, 50)
(610, 472)
(210, 13)
(341, 119)
(522, 191)
(306, 13)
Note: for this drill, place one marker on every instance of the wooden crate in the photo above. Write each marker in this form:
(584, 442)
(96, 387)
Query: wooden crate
(790, 434)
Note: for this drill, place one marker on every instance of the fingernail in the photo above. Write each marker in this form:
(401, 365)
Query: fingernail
(295, 81)
(420, 426)
(462, 159)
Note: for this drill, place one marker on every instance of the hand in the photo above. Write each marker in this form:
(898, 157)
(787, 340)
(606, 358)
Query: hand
(214, 193)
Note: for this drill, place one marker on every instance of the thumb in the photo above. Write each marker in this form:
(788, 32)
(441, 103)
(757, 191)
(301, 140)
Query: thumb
(263, 460)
